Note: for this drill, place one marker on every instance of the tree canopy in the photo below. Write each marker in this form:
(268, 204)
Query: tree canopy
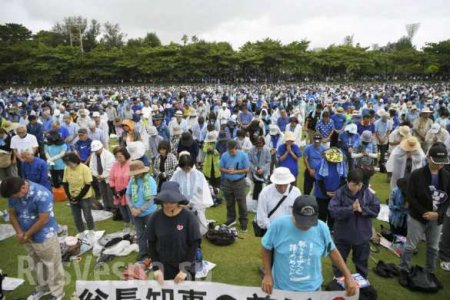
(77, 50)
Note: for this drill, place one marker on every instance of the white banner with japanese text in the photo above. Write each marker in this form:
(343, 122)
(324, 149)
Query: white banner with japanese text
(151, 290)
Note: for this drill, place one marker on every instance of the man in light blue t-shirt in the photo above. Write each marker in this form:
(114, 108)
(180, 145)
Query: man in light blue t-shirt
(298, 244)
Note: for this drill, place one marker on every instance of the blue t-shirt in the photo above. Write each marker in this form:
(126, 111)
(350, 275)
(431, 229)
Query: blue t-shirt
(362, 128)
(325, 129)
(37, 172)
(314, 155)
(339, 121)
(239, 162)
(84, 149)
(38, 200)
(54, 150)
(298, 254)
(332, 182)
(140, 202)
(289, 162)
(282, 122)
(64, 133)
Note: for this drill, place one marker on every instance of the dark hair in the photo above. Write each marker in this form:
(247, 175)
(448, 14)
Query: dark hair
(185, 161)
(164, 145)
(210, 127)
(241, 133)
(32, 118)
(11, 186)
(355, 176)
(123, 151)
(325, 114)
(71, 157)
(231, 144)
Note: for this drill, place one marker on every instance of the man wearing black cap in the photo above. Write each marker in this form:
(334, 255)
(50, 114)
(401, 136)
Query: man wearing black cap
(427, 195)
(298, 242)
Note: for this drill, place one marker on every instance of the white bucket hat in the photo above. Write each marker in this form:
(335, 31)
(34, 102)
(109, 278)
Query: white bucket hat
(435, 128)
(96, 145)
(152, 131)
(136, 150)
(211, 137)
(351, 128)
(289, 136)
(282, 175)
(274, 129)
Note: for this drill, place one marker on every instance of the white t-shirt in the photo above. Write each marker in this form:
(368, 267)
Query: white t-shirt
(24, 144)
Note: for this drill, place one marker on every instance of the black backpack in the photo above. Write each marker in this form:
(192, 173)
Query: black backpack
(221, 236)
(419, 280)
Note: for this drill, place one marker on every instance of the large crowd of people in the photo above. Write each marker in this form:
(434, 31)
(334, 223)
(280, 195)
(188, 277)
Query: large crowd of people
(188, 148)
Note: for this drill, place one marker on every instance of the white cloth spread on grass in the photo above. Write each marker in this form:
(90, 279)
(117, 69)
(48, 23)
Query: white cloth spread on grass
(6, 231)
(100, 215)
(10, 284)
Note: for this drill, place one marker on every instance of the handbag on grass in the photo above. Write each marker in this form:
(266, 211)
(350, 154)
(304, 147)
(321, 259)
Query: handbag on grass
(259, 232)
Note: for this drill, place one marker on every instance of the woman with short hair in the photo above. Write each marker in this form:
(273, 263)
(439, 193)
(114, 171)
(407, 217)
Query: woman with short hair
(77, 181)
(119, 176)
(165, 163)
(194, 187)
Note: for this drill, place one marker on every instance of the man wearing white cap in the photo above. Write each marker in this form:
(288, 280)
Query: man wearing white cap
(436, 134)
(103, 125)
(383, 127)
(100, 164)
(178, 120)
(273, 140)
(224, 112)
(421, 126)
(277, 198)
(347, 141)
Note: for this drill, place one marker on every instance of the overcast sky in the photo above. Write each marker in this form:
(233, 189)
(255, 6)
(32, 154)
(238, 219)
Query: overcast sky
(322, 22)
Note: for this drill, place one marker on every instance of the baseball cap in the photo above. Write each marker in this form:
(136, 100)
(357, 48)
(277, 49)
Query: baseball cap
(439, 154)
(317, 137)
(305, 211)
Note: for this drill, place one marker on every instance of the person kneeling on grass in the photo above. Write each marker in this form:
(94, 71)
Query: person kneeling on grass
(173, 236)
(298, 243)
(353, 208)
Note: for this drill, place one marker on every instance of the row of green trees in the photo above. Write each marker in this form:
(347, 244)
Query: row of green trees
(78, 51)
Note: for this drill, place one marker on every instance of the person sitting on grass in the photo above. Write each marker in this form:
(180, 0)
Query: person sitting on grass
(296, 243)
(353, 208)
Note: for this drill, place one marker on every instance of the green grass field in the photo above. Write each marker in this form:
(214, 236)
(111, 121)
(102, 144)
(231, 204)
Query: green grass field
(236, 264)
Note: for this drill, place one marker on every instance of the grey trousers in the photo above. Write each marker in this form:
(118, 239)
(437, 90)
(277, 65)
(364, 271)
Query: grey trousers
(85, 206)
(444, 245)
(235, 192)
(416, 230)
(106, 193)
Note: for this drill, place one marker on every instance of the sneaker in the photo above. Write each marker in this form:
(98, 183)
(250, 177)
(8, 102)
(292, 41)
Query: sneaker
(57, 298)
(445, 265)
(37, 294)
(244, 229)
(403, 278)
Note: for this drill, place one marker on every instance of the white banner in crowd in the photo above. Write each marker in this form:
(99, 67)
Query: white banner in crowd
(151, 290)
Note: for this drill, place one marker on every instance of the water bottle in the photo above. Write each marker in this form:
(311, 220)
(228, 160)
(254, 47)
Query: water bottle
(198, 255)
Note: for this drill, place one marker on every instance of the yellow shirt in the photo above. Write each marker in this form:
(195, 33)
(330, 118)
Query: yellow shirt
(77, 178)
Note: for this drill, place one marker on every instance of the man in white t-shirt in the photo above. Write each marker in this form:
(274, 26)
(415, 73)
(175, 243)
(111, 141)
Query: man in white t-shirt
(22, 142)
